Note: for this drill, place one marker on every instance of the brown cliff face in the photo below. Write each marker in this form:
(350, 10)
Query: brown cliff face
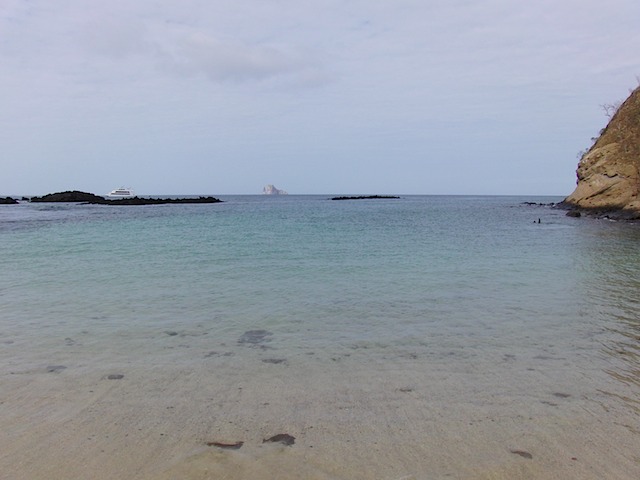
(609, 173)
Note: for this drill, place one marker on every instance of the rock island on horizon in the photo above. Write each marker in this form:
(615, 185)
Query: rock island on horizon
(272, 190)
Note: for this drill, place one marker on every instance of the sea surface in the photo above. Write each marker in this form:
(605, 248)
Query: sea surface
(449, 311)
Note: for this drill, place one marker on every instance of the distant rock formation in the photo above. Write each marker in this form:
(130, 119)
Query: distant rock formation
(272, 190)
(156, 201)
(83, 197)
(609, 172)
(69, 196)
(364, 197)
(8, 201)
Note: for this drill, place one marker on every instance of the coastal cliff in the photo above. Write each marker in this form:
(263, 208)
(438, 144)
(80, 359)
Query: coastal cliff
(608, 174)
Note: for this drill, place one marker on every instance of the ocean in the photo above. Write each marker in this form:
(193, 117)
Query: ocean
(422, 337)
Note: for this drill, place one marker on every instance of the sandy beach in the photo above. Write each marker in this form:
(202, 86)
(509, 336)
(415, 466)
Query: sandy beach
(351, 419)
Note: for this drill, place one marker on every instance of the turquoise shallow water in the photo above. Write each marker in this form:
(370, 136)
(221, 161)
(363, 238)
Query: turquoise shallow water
(324, 273)
(475, 273)
(460, 284)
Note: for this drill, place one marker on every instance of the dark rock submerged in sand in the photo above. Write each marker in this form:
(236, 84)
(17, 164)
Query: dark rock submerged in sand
(283, 438)
(55, 368)
(522, 453)
(255, 337)
(226, 445)
(275, 361)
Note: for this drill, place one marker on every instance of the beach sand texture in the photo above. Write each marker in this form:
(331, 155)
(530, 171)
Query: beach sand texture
(351, 419)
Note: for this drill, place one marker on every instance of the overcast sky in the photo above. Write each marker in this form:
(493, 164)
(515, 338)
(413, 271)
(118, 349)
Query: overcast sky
(317, 96)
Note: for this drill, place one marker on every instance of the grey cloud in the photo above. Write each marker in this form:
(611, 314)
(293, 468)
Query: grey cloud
(200, 53)
(114, 37)
(183, 50)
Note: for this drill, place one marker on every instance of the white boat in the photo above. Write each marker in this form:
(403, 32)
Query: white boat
(121, 193)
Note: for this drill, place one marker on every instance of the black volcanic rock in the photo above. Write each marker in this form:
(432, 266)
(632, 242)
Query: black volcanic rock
(156, 201)
(8, 201)
(83, 197)
(283, 438)
(364, 197)
(70, 196)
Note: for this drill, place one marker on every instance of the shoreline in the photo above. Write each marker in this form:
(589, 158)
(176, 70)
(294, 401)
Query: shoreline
(618, 214)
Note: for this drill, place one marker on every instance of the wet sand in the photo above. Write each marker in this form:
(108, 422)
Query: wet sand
(355, 416)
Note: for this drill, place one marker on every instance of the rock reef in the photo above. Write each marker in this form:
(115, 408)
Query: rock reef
(75, 196)
(8, 201)
(364, 197)
(608, 174)
(157, 201)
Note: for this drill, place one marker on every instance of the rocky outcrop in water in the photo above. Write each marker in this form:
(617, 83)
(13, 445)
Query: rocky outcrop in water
(608, 175)
(83, 197)
(73, 196)
(8, 201)
(157, 201)
(365, 197)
